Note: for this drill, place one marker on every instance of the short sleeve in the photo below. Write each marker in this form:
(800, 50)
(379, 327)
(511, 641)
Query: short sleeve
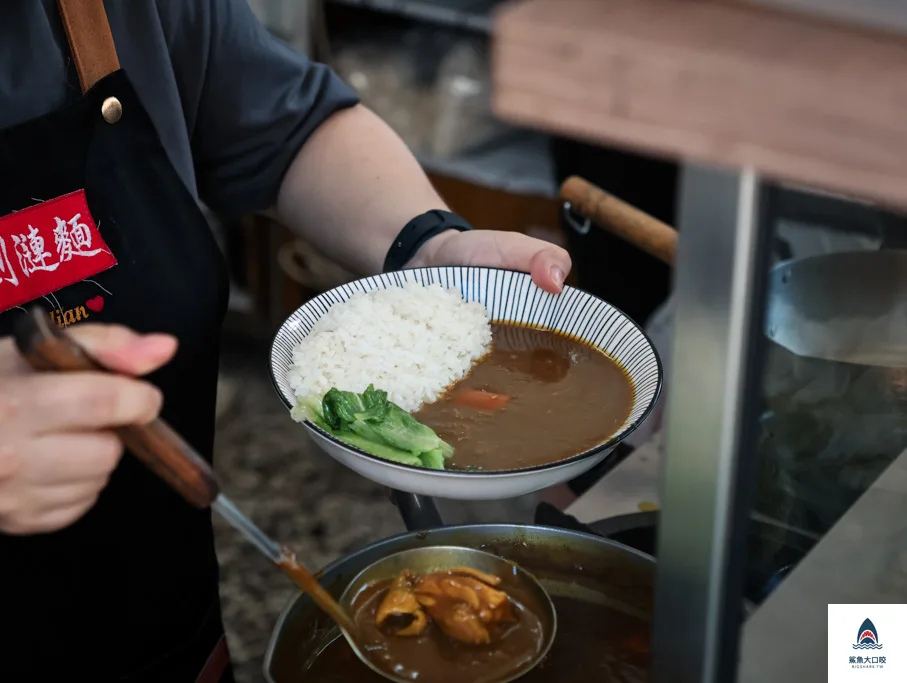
(259, 102)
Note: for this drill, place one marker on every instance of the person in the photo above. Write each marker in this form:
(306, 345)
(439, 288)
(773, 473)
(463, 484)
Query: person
(113, 127)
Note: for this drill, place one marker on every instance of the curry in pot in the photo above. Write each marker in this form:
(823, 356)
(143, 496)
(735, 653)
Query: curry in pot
(448, 626)
(594, 644)
(538, 397)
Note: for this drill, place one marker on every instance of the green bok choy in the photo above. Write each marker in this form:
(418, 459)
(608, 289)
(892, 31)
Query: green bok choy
(372, 423)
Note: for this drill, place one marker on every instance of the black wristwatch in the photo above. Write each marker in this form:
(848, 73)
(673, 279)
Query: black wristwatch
(417, 232)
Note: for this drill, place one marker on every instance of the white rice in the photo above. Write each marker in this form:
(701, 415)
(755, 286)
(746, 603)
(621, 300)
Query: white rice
(412, 341)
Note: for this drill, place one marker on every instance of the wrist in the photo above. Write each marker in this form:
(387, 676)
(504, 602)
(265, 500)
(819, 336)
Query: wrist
(426, 256)
(420, 239)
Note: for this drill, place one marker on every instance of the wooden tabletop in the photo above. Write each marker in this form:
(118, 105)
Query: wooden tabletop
(798, 98)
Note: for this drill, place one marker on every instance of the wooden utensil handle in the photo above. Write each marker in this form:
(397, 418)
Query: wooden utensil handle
(626, 221)
(48, 348)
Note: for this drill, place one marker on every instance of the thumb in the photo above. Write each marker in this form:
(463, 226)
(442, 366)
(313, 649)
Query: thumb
(123, 350)
(549, 267)
(548, 263)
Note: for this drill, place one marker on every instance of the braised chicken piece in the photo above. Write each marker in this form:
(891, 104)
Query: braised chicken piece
(400, 608)
(463, 606)
(463, 602)
(490, 579)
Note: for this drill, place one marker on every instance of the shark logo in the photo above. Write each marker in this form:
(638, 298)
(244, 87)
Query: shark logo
(867, 637)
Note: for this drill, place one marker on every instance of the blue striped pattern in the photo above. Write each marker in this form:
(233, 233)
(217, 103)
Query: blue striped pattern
(509, 297)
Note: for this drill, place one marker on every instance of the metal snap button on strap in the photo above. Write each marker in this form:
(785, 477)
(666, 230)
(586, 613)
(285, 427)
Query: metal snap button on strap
(112, 110)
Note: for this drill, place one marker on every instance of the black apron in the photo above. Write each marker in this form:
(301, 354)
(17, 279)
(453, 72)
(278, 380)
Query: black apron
(130, 591)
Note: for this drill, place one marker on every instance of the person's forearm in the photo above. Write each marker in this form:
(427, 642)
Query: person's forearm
(352, 188)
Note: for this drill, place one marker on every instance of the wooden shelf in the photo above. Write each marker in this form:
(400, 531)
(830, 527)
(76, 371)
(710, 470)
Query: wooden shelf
(799, 99)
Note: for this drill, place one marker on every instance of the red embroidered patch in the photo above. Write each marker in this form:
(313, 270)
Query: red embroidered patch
(47, 247)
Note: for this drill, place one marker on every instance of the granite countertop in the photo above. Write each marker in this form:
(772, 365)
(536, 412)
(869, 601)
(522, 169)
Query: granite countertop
(299, 496)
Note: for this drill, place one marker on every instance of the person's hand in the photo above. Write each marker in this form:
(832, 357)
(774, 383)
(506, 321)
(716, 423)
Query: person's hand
(548, 264)
(56, 448)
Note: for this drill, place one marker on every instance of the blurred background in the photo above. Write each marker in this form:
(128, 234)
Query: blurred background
(423, 66)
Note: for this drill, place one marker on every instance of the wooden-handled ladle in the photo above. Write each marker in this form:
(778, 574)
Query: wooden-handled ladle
(627, 222)
(49, 348)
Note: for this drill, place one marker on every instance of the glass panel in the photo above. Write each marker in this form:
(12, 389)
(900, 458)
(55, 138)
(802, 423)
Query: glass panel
(829, 511)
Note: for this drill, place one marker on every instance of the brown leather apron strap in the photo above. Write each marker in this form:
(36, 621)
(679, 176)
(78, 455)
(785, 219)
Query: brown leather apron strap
(90, 40)
(217, 663)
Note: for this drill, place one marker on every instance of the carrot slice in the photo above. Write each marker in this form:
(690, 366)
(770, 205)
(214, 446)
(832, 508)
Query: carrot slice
(480, 400)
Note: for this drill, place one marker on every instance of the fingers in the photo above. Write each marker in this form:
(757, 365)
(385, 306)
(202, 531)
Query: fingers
(50, 402)
(50, 482)
(11, 362)
(123, 350)
(548, 263)
(49, 510)
(59, 460)
(56, 448)
(115, 347)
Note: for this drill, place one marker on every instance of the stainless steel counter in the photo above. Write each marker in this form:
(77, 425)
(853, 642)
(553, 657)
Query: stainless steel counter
(861, 560)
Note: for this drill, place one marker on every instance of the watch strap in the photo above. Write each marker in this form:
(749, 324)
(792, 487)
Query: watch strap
(417, 232)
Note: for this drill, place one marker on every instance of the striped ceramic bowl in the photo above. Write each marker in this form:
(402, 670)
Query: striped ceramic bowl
(509, 297)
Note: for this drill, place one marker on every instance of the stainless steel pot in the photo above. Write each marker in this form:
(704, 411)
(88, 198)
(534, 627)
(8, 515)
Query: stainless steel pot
(567, 563)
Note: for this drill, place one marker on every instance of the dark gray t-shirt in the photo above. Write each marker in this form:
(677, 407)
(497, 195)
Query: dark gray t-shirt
(231, 103)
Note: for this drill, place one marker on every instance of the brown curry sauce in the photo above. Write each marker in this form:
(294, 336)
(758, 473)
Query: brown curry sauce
(594, 644)
(561, 397)
(433, 656)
